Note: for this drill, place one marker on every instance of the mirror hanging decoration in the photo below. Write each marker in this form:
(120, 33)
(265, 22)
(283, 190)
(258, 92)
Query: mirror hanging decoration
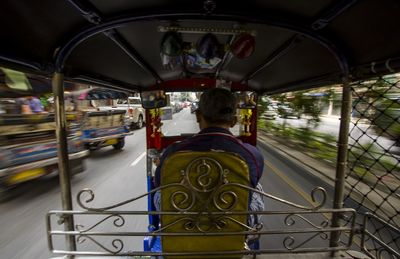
(204, 55)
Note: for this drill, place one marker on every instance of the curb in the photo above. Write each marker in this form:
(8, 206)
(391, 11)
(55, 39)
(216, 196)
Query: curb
(317, 172)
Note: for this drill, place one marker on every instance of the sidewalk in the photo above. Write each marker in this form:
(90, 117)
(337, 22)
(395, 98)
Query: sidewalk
(353, 119)
(326, 172)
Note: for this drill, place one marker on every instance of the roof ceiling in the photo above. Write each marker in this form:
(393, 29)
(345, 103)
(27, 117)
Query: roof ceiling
(298, 44)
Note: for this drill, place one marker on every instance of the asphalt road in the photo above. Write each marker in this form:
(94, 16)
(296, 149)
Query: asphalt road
(120, 175)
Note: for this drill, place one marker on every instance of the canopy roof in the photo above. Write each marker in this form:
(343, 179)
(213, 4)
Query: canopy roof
(299, 44)
(15, 84)
(97, 94)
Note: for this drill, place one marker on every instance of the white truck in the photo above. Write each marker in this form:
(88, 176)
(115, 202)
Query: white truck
(135, 114)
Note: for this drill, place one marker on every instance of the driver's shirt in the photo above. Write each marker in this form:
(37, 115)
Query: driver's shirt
(215, 138)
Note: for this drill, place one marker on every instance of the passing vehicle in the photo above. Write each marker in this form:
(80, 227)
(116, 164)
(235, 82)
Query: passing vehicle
(194, 106)
(134, 111)
(252, 48)
(176, 106)
(101, 127)
(270, 113)
(287, 111)
(28, 145)
(29, 149)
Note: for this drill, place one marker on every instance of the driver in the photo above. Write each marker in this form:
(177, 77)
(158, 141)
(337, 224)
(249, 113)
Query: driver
(215, 115)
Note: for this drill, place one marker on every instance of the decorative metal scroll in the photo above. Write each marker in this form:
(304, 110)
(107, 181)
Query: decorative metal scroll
(117, 241)
(290, 242)
(119, 221)
(204, 202)
(117, 244)
(203, 184)
(197, 179)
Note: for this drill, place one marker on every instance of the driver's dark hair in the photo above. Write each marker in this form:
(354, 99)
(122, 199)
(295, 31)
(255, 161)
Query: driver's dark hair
(218, 105)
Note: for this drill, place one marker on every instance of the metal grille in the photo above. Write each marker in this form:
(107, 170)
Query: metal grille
(373, 177)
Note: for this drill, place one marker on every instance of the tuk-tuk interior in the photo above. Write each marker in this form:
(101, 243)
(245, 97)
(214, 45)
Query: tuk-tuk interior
(265, 47)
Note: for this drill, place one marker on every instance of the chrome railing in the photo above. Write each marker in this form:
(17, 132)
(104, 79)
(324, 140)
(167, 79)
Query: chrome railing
(302, 229)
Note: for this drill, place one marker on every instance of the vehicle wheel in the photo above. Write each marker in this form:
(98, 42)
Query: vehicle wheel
(120, 144)
(76, 166)
(139, 124)
(91, 147)
(5, 193)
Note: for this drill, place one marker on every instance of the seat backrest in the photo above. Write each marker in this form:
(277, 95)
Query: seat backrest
(200, 183)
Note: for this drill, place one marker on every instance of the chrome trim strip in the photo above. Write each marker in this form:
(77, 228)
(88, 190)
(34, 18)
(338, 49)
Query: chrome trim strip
(91, 140)
(41, 142)
(37, 164)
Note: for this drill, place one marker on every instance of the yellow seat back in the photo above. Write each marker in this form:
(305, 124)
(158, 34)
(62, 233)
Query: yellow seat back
(198, 183)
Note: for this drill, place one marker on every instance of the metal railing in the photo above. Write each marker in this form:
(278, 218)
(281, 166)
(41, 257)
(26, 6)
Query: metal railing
(302, 229)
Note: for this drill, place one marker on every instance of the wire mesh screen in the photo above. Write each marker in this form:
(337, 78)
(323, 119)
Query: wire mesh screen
(373, 177)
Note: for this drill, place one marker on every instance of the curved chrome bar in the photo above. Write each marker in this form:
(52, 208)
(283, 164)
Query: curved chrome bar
(220, 197)
(313, 192)
(290, 221)
(79, 198)
(289, 241)
(196, 224)
(118, 244)
(118, 222)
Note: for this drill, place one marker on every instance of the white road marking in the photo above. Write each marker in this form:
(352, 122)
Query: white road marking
(137, 160)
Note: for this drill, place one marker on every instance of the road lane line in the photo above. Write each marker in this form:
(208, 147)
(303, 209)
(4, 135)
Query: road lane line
(303, 194)
(294, 186)
(138, 159)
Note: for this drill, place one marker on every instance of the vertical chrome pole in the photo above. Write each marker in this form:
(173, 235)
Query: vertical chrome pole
(62, 147)
(341, 159)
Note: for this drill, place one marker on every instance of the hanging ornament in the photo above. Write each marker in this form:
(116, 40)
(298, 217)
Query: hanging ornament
(171, 50)
(171, 44)
(156, 132)
(243, 46)
(207, 46)
(245, 115)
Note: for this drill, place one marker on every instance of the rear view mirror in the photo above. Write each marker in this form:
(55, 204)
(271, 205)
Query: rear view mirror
(153, 99)
(247, 100)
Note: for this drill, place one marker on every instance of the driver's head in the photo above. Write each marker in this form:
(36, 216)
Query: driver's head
(217, 107)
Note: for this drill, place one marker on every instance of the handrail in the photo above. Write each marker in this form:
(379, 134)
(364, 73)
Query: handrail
(300, 221)
(291, 242)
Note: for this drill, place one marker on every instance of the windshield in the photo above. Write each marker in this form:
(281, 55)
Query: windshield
(134, 101)
(182, 108)
(122, 101)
